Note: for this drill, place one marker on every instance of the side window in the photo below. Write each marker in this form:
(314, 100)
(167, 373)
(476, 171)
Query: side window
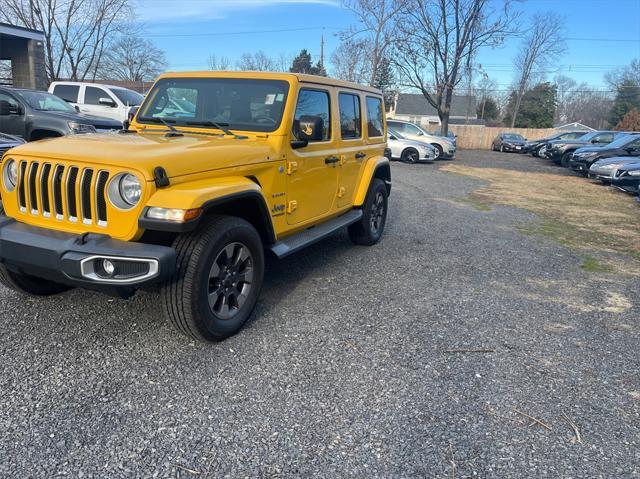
(375, 117)
(399, 127)
(92, 95)
(635, 144)
(314, 103)
(350, 116)
(413, 130)
(68, 93)
(605, 138)
(12, 103)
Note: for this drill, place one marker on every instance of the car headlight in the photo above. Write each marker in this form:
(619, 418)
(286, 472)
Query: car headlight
(10, 175)
(124, 191)
(77, 127)
(633, 172)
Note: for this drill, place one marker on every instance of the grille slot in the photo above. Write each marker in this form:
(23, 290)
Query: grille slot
(63, 192)
(58, 174)
(44, 190)
(33, 192)
(85, 195)
(101, 201)
(70, 187)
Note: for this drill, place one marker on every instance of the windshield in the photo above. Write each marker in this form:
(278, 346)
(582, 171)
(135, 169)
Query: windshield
(239, 104)
(513, 136)
(128, 97)
(622, 141)
(42, 101)
(395, 133)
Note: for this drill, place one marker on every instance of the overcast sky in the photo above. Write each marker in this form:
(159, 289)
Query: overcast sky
(602, 34)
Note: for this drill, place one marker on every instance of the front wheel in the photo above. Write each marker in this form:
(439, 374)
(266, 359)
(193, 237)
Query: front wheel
(566, 158)
(368, 230)
(218, 278)
(410, 155)
(438, 152)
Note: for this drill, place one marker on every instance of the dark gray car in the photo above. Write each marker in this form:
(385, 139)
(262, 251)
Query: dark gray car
(33, 115)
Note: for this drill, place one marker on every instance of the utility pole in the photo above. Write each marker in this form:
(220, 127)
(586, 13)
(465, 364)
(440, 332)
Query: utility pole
(322, 50)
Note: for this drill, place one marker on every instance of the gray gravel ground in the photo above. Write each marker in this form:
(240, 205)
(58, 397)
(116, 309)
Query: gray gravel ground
(346, 372)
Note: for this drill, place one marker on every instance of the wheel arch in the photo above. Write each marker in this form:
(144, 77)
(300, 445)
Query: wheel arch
(378, 167)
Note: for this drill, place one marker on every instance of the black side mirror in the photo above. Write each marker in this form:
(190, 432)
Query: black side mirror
(77, 108)
(308, 128)
(130, 116)
(391, 137)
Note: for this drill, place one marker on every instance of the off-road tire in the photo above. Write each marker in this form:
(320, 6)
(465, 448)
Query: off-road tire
(410, 155)
(185, 296)
(439, 151)
(363, 232)
(566, 158)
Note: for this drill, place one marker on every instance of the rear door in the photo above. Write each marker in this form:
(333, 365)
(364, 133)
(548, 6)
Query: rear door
(353, 151)
(312, 171)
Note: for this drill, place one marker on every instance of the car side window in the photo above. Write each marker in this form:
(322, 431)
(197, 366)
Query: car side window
(634, 145)
(375, 117)
(350, 116)
(413, 130)
(314, 103)
(92, 95)
(603, 138)
(8, 99)
(68, 93)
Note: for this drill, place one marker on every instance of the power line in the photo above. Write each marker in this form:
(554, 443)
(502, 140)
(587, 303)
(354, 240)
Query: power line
(245, 32)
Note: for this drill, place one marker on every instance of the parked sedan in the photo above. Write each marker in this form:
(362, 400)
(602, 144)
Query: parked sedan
(409, 151)
(627, 178)
(506, 142)
(606, 169)
(583, 158)
(539, 146)
(445, 149)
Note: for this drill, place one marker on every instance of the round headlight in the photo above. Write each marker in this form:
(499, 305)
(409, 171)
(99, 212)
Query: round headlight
(124, 191)
(10, 174)
(130, 189)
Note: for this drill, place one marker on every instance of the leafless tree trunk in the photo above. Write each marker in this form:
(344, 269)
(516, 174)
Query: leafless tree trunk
(440, 38)
(543, 43)
(257, 62)
(350, 61)
(133, 59)
(77, 32)
(375, 30)
(218, 63)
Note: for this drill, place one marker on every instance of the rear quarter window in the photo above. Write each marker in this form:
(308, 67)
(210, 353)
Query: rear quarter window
(68, 93)
(375, 117)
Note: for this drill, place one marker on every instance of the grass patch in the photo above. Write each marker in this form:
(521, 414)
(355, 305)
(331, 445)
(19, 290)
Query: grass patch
(473, 202)
(574, 212)
(592, 265)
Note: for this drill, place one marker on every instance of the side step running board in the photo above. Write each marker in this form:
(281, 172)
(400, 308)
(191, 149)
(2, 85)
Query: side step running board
(296, 242)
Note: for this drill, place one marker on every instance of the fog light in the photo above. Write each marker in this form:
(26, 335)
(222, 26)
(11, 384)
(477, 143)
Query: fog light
(108, 267)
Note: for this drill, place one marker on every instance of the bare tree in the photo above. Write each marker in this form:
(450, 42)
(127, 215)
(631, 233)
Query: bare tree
(350, 61)
(631, 72)
(77, 32)
(133, 59)
(542, 44)
(215, 62)
(484, 91)
(566, 91)
(257, 62)
(375, 29)
(440, 38)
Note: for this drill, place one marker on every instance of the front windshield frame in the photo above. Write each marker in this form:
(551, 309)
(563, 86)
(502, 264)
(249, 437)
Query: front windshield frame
(32, 99)
(276, 98)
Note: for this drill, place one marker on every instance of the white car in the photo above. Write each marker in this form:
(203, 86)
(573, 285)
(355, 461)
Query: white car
(409, 151)
(444, 147)
(95, 99)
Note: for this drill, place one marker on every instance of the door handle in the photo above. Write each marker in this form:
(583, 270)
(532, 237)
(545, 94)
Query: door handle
(360, 155)
(331, 160)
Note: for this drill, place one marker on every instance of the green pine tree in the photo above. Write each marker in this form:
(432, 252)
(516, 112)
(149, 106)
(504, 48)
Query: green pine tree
(627, 98)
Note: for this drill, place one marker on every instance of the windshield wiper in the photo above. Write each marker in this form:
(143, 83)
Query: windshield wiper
(173, 131)
(219, 126)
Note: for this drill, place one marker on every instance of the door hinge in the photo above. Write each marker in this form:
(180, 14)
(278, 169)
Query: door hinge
(291, 167)
(341, 191)
(343, 159)
(292, 206)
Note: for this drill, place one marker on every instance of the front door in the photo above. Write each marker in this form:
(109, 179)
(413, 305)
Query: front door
(312, 171)
(12, 120)
(91, 104)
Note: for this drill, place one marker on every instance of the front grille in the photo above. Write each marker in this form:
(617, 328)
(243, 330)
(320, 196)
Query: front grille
(74, 193)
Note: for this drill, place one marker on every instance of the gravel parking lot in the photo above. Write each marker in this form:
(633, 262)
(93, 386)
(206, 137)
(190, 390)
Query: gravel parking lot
(421, 357)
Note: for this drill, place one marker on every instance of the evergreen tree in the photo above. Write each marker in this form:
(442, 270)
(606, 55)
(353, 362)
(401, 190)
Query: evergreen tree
(488, 109)
(627, 98)
(537, 109)
(303, 64)
(385, 82)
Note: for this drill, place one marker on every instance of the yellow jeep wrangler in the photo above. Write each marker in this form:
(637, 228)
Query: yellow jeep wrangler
(214, 169)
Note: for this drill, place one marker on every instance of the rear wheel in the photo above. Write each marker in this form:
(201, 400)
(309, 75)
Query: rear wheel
(218, 279)
(410, 155)
(368, 230)
(566, 158)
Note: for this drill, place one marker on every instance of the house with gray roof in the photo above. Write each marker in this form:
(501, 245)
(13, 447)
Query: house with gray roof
(416, 109)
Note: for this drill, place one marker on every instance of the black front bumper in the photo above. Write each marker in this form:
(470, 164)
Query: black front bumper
(68, 258)
(627, 184)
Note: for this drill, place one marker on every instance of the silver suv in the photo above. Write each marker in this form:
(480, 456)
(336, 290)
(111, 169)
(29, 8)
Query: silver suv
(445, 149)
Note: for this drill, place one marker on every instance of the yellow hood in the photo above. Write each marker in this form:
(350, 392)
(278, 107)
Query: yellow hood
(179, 156)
